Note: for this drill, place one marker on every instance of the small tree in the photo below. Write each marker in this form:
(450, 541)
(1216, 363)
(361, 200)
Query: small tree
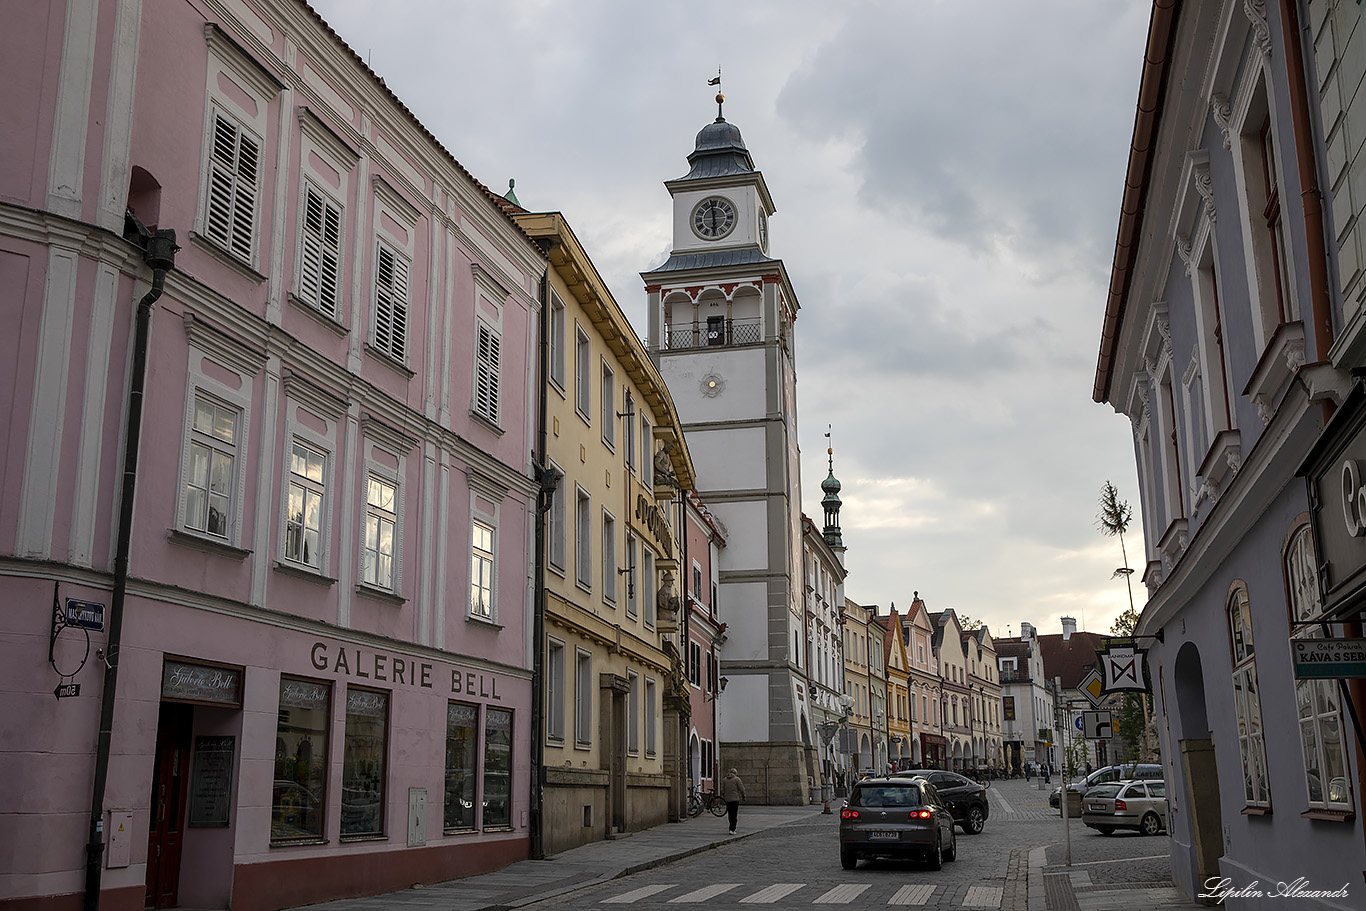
(1113, 519)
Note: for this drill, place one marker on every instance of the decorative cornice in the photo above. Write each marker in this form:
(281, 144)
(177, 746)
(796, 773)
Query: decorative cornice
(219, 345)
(313, 396)
(1222, 109)
(259, 79)
(380, 432)
(1200, 178)
(1183, 249)
(395, 199)
(312, 126)
(1256, 14)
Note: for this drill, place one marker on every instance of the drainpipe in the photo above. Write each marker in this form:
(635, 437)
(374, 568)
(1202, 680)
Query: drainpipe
(158, 251)
(548, 481)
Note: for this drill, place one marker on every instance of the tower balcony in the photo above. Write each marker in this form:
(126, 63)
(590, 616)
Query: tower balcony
(716, 332)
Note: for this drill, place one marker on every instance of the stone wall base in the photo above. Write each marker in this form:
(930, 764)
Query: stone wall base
(775, 773)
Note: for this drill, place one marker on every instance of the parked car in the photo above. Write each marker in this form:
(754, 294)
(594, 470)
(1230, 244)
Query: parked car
(1140, 805)
(966, 798)
(896, 817)
(1127, 771)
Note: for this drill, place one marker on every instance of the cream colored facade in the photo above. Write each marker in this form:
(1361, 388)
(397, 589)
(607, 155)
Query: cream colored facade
(927, 747)
(955, 708)
(616, 691)
(984, 685)
(865, 683)
(898, 692)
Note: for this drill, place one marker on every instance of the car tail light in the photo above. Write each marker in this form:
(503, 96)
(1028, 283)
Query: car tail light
(922, 814)
(1121, 805)
(848, 814)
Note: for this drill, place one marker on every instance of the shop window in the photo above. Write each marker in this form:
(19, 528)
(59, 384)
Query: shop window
(299, 796)
(497, 769)
(363, 767)
(1327, 782)
(1247, 702)
(462, 773)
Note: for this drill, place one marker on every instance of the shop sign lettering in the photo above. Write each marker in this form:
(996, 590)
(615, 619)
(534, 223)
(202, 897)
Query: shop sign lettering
(361, 664)
(200, 683)
(651, 517)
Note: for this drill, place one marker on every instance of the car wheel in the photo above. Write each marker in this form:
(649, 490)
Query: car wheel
(951, 852)
(848, 859)
(975, 821)
(1150, 825)
(937, 853)
(1105, 830)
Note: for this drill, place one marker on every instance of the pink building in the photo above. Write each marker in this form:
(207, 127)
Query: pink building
(323, 670)
(706, 631)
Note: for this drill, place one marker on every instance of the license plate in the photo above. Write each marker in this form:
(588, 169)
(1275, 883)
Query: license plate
(1098, 807)
(883, 835)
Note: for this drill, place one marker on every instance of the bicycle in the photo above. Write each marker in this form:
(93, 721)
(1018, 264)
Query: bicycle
(705, 800)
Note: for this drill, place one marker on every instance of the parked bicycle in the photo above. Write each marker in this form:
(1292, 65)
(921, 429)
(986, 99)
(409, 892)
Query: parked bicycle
(705, 800)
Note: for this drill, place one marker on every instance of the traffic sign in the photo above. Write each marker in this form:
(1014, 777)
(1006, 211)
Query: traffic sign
(64, 690)
(1092, 687)
(1097, 725)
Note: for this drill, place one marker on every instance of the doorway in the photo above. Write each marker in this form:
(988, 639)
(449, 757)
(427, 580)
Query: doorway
(170, 779)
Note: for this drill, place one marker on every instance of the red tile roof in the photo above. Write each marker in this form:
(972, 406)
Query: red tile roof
(1069, 659)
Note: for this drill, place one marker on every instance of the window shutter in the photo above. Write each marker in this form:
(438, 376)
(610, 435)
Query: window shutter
(244, 199)
(233, 172)
(400, 316)
(310, 266)
(486, 371)
(329, 267)
(384, 299)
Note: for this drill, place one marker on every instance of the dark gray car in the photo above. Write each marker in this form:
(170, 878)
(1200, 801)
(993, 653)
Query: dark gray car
(896, 817)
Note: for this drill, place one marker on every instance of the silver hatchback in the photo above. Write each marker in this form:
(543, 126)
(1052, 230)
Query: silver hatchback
(1140, 805)
(896, 817)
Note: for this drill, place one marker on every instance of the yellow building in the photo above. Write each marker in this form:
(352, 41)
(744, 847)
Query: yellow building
(615, 686)
(899, 731)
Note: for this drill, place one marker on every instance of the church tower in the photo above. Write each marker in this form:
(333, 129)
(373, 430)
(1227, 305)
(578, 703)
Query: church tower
(721, 317)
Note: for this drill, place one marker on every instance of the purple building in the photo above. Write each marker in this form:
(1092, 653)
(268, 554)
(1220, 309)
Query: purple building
(323, 642)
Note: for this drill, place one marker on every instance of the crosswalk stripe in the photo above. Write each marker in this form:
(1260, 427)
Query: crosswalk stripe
(912, 895)
(626, 898)
(841, 895)
(703, 894)
(983, 897)
(772, 893)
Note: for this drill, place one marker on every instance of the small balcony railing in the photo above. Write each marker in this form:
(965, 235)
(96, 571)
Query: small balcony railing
(721, 332)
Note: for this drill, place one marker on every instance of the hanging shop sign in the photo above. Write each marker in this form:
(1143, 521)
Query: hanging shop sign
(182, 681)
(1328, 658)
(1123, 667)
(1335, 472)
(650, 518)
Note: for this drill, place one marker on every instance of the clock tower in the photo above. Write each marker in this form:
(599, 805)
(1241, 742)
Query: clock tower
(721, 318)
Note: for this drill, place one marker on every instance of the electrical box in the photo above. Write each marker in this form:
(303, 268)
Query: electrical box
(120, 850)
(417, 817)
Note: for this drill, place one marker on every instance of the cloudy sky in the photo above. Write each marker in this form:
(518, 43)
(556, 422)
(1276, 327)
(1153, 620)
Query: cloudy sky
(947, 177)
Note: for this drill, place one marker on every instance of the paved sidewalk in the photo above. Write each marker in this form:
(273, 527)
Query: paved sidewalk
(531, 881)
(1062, 888)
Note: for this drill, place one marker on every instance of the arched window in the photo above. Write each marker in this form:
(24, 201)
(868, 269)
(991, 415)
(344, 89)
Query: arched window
(1247, 701)
(1318, 709)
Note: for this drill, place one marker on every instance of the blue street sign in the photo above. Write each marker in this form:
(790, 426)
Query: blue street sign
(83, 614)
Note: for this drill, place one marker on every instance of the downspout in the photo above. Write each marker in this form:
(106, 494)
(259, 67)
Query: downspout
(548, 481)
(685, 760)
(1320, 292)
(158, 251)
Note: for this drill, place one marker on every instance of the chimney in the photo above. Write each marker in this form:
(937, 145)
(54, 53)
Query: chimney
(1069, 626)
(1026, 630)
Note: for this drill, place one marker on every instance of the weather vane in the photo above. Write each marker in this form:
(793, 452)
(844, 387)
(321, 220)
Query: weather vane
(720, 99)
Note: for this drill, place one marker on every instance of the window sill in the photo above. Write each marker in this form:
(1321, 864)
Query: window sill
(389, 360)
(1256, 811)
(483, 621)
(483, 420)
(470, 830)
(587, 421)
(498, 828)
(380, 594)
(583, 586)
(201, 242)
(301, 571)
(348, 839)
(327, 322)
(206, 544)
(557, 570)
(298, 842)
(1329, 815)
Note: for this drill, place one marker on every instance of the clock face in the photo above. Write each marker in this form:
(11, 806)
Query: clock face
(714, 217)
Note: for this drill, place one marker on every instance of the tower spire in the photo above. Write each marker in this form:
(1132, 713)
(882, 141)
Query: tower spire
(831, 502)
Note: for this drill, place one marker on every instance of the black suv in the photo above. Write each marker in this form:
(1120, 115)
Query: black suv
(966, 798)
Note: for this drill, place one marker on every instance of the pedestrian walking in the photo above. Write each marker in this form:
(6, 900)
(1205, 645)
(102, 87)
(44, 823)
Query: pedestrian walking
(732, 792)
(1047, 774)
(1027, 771)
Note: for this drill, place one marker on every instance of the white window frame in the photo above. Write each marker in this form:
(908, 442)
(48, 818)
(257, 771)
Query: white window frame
(647, 455)
(1247, 700)
(307, 485)
(628, 431)
(232, 192)
(584, 696)
(609, 405)
(369, 557)
(583, 538)
(609, 558)
(319, 273)
(583, 377)
(554, 691)
(392, 302)
(483, 570)
(197, 439)
(647, 585)
(632, 713)
(557, 549)
(1318, 704)
(651, 700)
(556, 330)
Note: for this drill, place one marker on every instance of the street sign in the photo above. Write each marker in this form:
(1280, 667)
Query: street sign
(84, 614)
(1320, 658)
(1097, 725)
(1078, 723)
(64, 690)
(1092, 687)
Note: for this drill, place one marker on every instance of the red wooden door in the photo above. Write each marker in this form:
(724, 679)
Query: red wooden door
(170, 777)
